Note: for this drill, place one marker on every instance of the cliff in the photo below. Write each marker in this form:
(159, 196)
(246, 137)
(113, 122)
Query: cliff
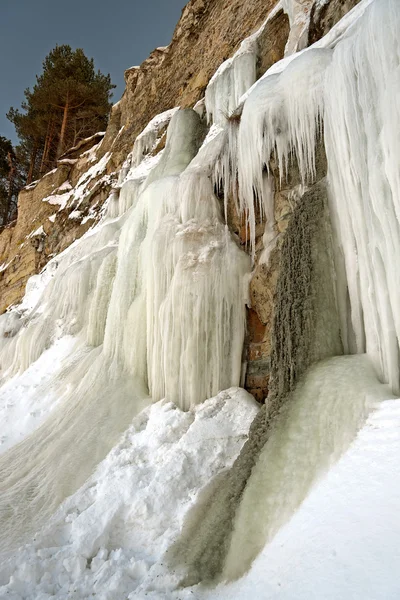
(63, 205)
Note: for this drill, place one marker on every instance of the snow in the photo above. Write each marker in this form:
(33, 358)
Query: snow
(106, 538)
(67, 196)
(75, 214)
(23, 405)
(149, 137)
(38, 231)
(327, 409)
(65, 187)
(68, 161)
(49, 173)
(343, 542)
(4, 266)
(60, 199)
(126, 192)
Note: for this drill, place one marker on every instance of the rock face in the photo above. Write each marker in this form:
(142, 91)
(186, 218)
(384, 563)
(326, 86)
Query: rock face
(325, 15)
(208, 32)
(64, 204)
(46, 225)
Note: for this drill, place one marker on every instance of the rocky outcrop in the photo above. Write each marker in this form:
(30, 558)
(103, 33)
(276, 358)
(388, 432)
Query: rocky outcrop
(208, 32)
(325, 15)
(46, 225)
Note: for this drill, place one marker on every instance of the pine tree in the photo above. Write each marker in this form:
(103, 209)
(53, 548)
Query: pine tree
(10, 181)
(70, 101)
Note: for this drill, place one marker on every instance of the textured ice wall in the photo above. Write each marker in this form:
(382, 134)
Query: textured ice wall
(156, 300)
(307, 329)
(362, 138)
(316, 426)
(352, 86)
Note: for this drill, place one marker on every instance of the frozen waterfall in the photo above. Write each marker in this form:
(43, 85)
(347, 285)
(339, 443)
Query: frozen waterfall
(340, 95)
(156, 299)
(155, 294)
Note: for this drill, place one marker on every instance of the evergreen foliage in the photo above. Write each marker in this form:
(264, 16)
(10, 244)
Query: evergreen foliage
(69, 102)
(10, 181)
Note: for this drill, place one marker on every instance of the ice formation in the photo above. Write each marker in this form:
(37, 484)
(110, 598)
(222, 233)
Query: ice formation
(154, 296)
(282, 116)
(315, 429)
(363, 145)
(234, 77)
(145, 142)
(157, 301)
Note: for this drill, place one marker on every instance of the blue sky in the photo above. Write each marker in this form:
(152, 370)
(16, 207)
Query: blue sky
(116, 33)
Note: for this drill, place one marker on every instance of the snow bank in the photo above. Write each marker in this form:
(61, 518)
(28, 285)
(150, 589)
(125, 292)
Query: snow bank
(27, 400)
(107, 539)
(343, 542)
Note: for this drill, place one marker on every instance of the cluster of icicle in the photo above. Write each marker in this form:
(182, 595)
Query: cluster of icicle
(349, 82)
(156, 300)
(161, 289)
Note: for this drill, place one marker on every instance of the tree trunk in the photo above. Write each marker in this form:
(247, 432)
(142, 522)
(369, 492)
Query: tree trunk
(47, 147)
(63, 129)
(45, 150)
(7, 202)
(32, 164)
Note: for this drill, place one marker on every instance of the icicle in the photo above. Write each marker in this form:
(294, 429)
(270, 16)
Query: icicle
(234, 77)
(146, 140)
(281, 115)
(362, 141)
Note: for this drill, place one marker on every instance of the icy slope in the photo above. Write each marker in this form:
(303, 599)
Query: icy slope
(343, 542)
(105, 539)
(98, 545)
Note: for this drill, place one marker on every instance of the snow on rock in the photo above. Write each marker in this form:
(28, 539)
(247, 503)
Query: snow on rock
(65, 187)
(60, 199)
(106, 539)
(146, 140)
(66, 195)
(38, 231)
(75, 214)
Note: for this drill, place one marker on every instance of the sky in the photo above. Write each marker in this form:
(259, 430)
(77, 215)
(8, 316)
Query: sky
(116, 33)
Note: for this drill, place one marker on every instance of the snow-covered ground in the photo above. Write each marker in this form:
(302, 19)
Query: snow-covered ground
(107, 541)
(343, 542)
(109, 538)
(27, 399)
